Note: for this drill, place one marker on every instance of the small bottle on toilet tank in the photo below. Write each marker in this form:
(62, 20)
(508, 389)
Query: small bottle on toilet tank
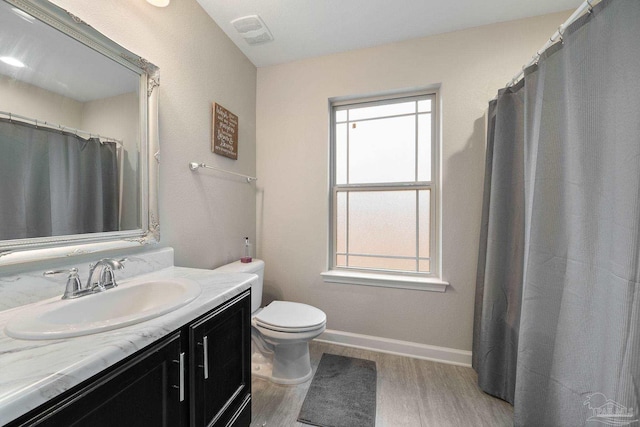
(247, 251)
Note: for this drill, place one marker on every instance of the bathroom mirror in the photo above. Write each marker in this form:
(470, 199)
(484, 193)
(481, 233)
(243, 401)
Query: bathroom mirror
(78, 137)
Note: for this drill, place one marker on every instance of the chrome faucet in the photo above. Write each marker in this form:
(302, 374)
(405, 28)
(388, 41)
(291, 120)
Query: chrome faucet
(101, 275)
(74, 287)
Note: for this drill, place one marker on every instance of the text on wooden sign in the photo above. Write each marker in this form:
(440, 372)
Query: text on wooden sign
(224, 135)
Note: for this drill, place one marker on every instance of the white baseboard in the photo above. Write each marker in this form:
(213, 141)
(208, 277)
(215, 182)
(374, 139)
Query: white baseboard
(450, 356)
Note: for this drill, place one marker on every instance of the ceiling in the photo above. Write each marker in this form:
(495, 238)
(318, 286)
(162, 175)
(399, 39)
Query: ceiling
(306, 28)
(57, 63)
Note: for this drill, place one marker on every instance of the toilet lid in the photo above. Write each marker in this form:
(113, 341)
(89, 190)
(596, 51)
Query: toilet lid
(290, 316)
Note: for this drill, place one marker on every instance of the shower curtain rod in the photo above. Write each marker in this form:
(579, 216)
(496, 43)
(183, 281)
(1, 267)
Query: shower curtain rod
(59, 127)
(587, 5)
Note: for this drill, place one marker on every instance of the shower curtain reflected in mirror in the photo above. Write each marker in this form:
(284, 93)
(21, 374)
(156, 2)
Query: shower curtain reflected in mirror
(557, 325)
(55, 183)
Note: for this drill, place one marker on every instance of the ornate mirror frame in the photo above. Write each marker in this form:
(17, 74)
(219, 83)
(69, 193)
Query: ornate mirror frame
(43, 248)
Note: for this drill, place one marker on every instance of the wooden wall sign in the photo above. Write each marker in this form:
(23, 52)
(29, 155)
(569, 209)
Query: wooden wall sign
(224, 137)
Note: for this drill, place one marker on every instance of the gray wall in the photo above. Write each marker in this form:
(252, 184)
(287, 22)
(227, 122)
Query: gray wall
(292, 123)
(205, 215)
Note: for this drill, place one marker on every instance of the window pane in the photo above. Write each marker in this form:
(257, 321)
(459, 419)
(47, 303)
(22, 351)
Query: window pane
(424, 147)
(382, 263)
(424, 106)
(378, 224)
(341, 222)
(341, 153)
(424, 223)
(356, 113)
(382, 150)
(382, 223)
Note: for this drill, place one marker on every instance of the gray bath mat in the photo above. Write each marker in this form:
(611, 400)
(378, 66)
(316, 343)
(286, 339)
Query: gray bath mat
(342, 393)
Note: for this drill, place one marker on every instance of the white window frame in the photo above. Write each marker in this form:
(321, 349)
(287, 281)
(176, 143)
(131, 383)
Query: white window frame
(431, 281)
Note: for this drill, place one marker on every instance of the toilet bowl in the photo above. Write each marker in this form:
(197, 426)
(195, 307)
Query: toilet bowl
(280, 332)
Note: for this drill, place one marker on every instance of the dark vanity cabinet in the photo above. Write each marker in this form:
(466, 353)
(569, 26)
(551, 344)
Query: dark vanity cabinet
(197, 376)
(139, 392)
(222, 377)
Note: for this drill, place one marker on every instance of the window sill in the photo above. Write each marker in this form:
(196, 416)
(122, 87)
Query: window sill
(432, 284)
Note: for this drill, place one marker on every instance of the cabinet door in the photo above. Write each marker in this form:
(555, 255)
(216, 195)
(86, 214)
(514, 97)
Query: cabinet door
(143, 392)
(220, 377)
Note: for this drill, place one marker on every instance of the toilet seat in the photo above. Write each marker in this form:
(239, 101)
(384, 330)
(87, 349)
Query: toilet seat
(291, 317)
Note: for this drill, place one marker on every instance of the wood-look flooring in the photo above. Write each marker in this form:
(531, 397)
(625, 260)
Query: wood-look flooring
(411, 392)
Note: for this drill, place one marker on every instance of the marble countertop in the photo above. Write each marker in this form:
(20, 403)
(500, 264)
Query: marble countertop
(32, 372)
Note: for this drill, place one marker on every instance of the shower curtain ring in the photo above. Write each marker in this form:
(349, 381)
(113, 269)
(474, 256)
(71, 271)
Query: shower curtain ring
(560, 31)
(590, 6)
(537, 57)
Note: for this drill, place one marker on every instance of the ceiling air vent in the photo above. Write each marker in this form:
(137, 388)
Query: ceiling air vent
(252, 29)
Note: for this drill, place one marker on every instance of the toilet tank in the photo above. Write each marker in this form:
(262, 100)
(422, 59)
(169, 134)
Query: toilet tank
(254, 267)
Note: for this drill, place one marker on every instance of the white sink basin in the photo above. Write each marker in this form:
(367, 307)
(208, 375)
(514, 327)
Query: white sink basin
(115, 308)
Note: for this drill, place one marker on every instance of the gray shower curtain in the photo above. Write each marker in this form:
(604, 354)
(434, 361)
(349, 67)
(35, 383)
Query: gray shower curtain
(54, 183)
(502, 239)
(557, 323)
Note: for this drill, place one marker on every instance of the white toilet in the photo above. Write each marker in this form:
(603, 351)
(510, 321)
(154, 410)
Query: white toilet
(280, 332)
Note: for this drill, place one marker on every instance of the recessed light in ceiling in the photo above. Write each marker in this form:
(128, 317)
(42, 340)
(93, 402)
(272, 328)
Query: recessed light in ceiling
(159, 3)
(252, 29)
(12, 61)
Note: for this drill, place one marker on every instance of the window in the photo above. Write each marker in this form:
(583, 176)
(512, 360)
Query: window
(383, 186)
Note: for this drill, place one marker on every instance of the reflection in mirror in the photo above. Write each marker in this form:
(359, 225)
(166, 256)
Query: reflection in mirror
(67, 176)
(77, 132)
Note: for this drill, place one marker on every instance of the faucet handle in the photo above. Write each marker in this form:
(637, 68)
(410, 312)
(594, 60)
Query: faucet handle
(115, 264)
(118, 264)
(74, 285)
(108, 277)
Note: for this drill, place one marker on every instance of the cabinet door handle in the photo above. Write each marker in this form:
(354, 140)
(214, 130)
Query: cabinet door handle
(205, 342)
(181, 377)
